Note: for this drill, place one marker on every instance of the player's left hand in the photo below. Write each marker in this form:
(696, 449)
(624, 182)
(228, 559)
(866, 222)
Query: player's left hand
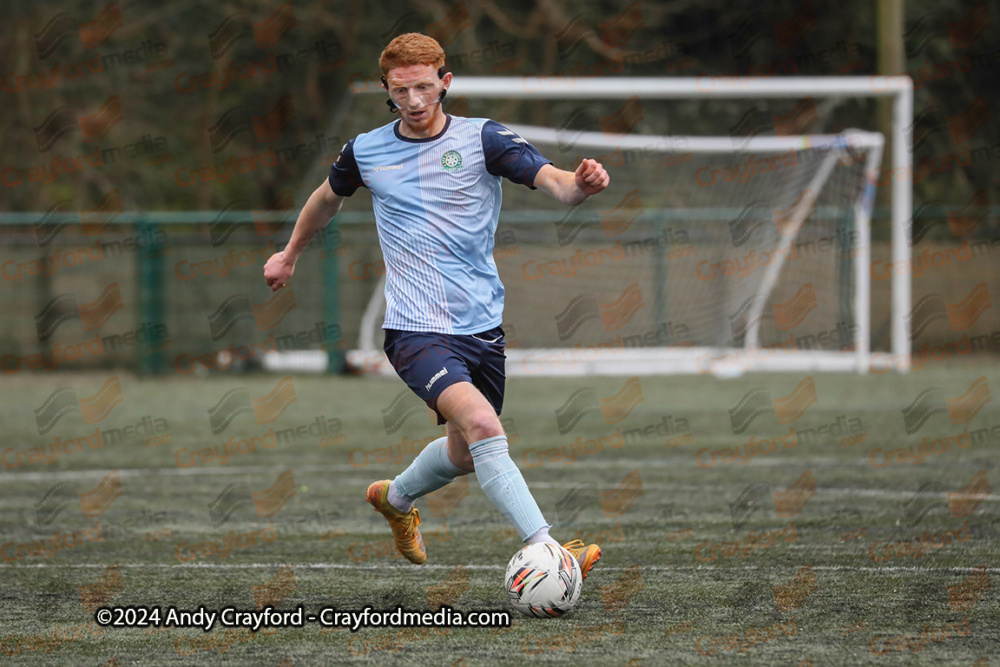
(591, 177)
(278, 270)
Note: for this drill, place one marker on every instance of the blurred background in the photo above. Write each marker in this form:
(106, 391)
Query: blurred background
(155, 155)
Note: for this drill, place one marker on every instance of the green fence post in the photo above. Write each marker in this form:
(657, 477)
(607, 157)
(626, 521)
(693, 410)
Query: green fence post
(331, 296)
(151, 306)
(660, 278)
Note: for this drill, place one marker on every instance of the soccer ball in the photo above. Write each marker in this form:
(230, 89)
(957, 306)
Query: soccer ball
(543, 580)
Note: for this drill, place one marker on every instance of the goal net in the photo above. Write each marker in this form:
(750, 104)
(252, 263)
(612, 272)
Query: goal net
(726, 260)
(748, 250)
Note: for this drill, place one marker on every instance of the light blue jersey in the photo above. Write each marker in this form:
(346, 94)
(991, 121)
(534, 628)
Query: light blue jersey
(437, 201)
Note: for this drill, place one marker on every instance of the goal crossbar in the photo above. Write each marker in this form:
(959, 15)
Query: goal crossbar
(701, 144)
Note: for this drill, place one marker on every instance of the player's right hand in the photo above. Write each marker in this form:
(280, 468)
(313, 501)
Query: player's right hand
(278, 271)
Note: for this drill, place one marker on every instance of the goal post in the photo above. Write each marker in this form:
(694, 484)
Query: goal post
(827, 192)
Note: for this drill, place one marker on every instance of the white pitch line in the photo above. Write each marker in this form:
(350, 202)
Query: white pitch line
(654, 461)
(160, 472)
(471, 566)
(823, 492)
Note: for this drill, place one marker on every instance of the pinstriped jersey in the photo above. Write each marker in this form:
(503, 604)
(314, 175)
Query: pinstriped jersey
(437, 201)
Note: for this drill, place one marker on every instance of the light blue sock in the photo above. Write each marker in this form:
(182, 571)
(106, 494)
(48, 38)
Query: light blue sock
(431, 470)
(504, 485)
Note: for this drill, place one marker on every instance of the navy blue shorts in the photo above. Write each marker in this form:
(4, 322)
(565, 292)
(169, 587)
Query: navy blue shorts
(430, 362)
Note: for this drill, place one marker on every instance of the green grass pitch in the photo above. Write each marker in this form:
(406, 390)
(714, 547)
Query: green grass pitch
(844, 538)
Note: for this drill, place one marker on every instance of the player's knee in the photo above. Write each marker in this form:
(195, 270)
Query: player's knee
(483, 425)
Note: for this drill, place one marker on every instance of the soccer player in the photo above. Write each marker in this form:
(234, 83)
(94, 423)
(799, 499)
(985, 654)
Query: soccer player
(435, 184)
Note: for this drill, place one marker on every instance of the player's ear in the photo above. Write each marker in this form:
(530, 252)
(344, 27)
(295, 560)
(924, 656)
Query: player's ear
(446, 79)
(389, 103)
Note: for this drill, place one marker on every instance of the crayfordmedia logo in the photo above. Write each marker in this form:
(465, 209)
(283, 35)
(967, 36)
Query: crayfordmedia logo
(672, 431)
(266, 34)
(50, 640)
(265, 409)
(966, 594)
(612, 315)
(92, 410)
(266, 503)
(786, 503)
(791, 595)
(450, 589)
(152, 430)
(404, 450)
(220, 642)
(224, 547)
(744, 641)
(393, 641)
(915, 643)
(746, 321)
(444, 501)
(494, 53)
(65, 120)
(401, 407)
(960, 409)
(613, 503)
(918, 546)
(50, 546)
(933, 26)
(328, 429)
(571, 640)
(273, 593)
(98, 594)
(613, 409)
(532, 458)
(921, 452)
(617, 595)
(786, 409)
(265, 316)
(754, 541)
(757, 402)
(93, 503)
(965, 501)
(743, 454)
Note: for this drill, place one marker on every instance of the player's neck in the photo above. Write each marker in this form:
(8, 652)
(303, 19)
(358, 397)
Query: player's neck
(433, 128)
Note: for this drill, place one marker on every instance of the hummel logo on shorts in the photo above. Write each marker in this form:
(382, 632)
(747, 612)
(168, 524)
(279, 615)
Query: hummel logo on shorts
(437, 376)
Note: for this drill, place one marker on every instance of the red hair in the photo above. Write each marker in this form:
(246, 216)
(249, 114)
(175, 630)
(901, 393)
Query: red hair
(411, 48)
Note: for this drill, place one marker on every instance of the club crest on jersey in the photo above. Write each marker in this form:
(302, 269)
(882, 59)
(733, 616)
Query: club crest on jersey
(451, 161)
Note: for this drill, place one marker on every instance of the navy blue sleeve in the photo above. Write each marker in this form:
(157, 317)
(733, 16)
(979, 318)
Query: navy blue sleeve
(510, 156)
(345, 177)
